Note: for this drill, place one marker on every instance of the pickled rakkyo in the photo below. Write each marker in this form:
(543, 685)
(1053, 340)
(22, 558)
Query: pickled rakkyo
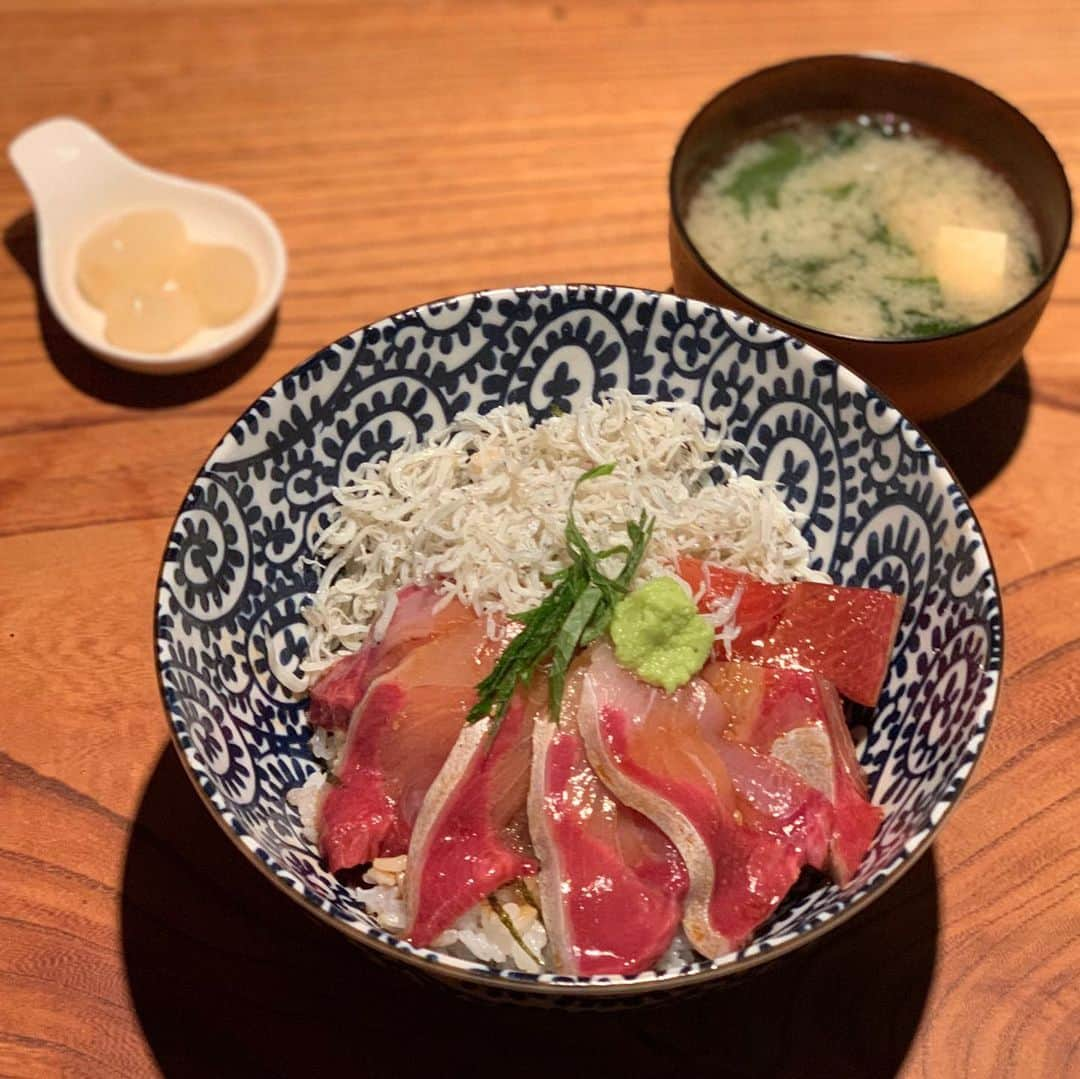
(157, 288)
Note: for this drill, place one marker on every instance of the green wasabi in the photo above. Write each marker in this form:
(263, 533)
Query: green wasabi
(659, 634)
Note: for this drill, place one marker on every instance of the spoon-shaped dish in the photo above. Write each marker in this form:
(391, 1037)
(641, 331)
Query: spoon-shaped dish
(78, 181)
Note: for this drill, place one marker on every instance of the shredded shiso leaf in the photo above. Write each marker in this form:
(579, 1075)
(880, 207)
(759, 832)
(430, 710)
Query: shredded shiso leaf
(576, 612)
(500, 911)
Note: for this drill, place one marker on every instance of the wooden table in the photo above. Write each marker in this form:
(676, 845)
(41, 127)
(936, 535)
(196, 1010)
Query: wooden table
(416, 151)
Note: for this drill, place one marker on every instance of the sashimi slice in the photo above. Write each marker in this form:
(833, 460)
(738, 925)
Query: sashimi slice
(334, 696)
(611, 883)
(796, 717)
(471, 837)
(661, 754)
(774, 798)
(398, 739)
(844, 634)
(417, 617)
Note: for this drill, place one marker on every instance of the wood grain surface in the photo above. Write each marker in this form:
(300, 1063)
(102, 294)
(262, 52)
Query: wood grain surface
(410, 152)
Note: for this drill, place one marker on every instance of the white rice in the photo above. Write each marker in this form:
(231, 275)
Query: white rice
(480, 511)
(477, 934)
(307, 800)
(326, 747)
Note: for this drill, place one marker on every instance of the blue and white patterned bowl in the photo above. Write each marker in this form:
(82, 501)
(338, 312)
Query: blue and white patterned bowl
(882, 510)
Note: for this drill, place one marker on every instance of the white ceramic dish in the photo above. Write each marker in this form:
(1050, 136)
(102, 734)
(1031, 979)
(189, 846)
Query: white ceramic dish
(78, 180)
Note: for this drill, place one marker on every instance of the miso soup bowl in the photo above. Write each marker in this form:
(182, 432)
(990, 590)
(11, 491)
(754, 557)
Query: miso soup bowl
(929, 376)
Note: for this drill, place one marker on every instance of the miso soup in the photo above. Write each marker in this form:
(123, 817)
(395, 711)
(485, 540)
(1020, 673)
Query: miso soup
(866, 227)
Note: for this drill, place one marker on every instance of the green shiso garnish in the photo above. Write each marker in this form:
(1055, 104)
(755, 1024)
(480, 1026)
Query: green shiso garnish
(576, 611)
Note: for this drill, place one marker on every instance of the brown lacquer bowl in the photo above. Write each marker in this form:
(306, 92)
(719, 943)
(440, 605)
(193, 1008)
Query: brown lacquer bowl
(929, 376)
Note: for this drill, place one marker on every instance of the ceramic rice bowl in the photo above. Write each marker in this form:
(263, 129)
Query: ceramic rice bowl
(881, 511)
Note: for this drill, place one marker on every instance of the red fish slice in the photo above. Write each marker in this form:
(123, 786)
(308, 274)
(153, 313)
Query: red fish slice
(415, 620)
(844, 634)
(471, 837)
(664, 755)
(775, 799)
(611, 884)
(796, 717)
(399, 737)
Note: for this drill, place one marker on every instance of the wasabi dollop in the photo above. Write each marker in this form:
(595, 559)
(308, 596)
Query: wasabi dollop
(659, 634)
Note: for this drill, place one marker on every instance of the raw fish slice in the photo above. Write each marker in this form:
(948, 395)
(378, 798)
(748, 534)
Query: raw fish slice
(611, 883)
(647, 851)
(659, 753)
(748, 692)
(825, 754)
(796, 717)
(415, 620)
(774, 798)
(340, 689)
(399, 737)
(471, 837)
(844, 634)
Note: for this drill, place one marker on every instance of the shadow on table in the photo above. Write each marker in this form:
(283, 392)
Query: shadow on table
(979, 439)
(112, 384)
(228, 976)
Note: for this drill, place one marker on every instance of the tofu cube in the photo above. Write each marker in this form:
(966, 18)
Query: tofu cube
(970, 263)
